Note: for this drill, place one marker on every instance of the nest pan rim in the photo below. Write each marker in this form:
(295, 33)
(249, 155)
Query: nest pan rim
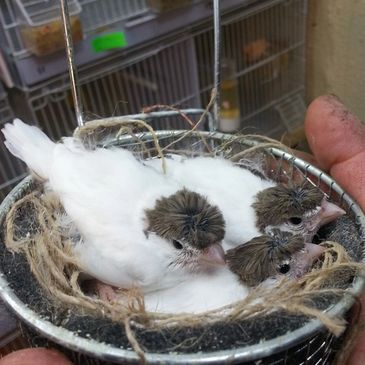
(67, 338)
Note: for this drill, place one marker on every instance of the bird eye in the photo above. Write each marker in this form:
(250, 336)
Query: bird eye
(177, 244)
(284, 268)
(295, 220)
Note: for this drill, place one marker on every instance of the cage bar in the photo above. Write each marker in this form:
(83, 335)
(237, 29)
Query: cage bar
(168, 77)
(267, 47)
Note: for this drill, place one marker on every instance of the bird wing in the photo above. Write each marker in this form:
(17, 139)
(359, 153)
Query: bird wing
(198, 293)
(104, 189)
(128, 261)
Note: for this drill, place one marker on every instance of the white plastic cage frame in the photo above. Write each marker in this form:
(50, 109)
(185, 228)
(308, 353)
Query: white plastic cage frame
(95, 15)
(38, 12)
(165, 75)
(11, 169)
(14, 14)
(178, 71)
(98, 14)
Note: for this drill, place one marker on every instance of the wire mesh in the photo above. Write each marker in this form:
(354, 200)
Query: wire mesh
(266, 47)
(168, 76)
(269, 70)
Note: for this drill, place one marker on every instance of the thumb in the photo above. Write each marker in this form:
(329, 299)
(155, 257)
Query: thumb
(337, 140)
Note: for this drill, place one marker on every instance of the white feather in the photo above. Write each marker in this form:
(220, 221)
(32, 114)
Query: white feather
(30, 145)
(198, 293)
(105, 193)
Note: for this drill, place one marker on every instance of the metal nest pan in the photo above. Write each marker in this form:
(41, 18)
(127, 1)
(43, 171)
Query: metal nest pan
(303, 340)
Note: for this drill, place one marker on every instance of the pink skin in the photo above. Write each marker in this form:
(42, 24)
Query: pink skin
(35, 356)
(303, 260)
(105, 292)
(214, 254)
(329, 212)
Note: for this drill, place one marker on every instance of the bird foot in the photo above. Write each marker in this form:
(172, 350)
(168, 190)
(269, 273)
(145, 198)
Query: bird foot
(104, 291)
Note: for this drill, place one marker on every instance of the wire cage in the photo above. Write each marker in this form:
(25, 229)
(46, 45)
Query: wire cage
(266, 45)
(166, 76)
(305, 342)
(11, 169)
(265, 42)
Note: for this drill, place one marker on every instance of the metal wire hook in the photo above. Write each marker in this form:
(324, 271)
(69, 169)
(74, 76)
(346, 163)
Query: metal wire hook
(71, 63)
(217, 61)
(73, 69)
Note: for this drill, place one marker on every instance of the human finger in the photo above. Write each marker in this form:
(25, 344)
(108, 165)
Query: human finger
(35, 356)
(337, 139)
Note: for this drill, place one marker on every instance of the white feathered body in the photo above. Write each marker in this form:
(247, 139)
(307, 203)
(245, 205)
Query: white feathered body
(198, 293)
(226, 185)
(105, 193)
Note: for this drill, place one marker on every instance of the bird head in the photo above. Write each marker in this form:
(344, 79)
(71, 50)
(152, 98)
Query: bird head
(300, 209)
(192, 227)
(272, 255)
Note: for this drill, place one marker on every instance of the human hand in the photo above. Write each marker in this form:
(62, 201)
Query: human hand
(35, 356)
(337, 140)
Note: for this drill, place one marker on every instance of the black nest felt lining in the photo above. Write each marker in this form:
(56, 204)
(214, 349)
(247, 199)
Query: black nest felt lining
(219, 336)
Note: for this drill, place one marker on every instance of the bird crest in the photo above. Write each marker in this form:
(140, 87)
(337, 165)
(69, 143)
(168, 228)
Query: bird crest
(260, 258)
(186, 216)
(277, 204)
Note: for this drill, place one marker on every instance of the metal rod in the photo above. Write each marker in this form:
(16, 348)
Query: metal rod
(217, 61)
(71, 62)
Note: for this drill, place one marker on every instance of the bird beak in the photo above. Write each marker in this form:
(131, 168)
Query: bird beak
(312, 251)
(329, 212)
(306, 257)
(214, 254)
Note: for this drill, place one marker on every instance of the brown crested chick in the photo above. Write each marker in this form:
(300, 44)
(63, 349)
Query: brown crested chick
(193, 226)
(270, 255)
(300, 209)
